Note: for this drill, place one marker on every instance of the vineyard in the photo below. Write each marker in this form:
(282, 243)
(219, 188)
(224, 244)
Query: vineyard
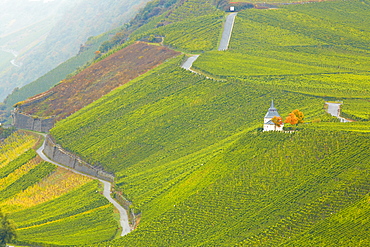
(44, 200)
(189, 152)
(74, 93)
(175, 157)
(193, 35)
(265, 191)
(186, 108)
(315, 49)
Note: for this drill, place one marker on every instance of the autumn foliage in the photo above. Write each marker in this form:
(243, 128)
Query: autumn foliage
(278, 121)
(295, 117)
(97, 80)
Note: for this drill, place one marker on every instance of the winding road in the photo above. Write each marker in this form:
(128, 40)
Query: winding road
(106, 192)
(224, 43)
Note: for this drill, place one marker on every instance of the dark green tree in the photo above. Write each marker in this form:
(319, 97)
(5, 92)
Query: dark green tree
(7, 229)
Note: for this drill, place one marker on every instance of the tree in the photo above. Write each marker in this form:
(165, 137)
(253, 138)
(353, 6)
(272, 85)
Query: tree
(278, 121)
(7, 230)
(299, 115)
(291, 119)
(295, 117)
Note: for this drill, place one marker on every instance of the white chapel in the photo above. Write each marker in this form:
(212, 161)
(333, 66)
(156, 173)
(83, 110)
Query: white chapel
(268, 124)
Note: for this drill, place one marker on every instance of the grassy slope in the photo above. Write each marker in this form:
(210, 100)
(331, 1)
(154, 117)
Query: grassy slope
(44, 200)
(192, 26)
(168, 113)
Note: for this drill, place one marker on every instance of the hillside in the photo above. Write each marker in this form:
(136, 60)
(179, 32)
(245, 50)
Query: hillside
(79, 21)
(99, 79)
(43, 200)
(187, 148)
(53, 77)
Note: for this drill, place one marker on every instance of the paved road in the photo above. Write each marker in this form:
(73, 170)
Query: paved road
(334, 110)
(106, 192)
(226, 34)
(189, 62)
(224, 43)
(122, 212)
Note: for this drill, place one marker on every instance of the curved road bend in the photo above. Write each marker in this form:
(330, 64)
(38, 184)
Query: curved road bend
(106, 192)
(334, 110)
(224, 43)
(189, 62)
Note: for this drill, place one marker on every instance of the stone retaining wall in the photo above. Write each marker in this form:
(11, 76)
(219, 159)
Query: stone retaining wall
(24, 121)
(59, 155)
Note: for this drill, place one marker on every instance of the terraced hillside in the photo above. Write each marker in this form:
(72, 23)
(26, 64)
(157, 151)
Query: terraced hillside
(183, 165)
(189, 153)
(44, 200)
(316, 49)
(74, 93)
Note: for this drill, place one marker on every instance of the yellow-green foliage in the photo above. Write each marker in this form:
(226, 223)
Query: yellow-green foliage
(49, 204)
(259, 190)
(15, 145)
(194, 35)
(193, 26)
(188, 153)
(316, 49)
(357, 109)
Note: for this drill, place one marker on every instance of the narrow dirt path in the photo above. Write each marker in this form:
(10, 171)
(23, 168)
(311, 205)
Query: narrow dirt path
(106, 192)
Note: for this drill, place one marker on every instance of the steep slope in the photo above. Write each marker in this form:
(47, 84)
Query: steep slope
(316, 49)
(188, 150)
(85, 19)
(44, 200)
(45, 82)
(188, 153)
(99, 79)
(184, 166)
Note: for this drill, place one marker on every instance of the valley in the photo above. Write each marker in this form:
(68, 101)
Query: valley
(183, 133)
